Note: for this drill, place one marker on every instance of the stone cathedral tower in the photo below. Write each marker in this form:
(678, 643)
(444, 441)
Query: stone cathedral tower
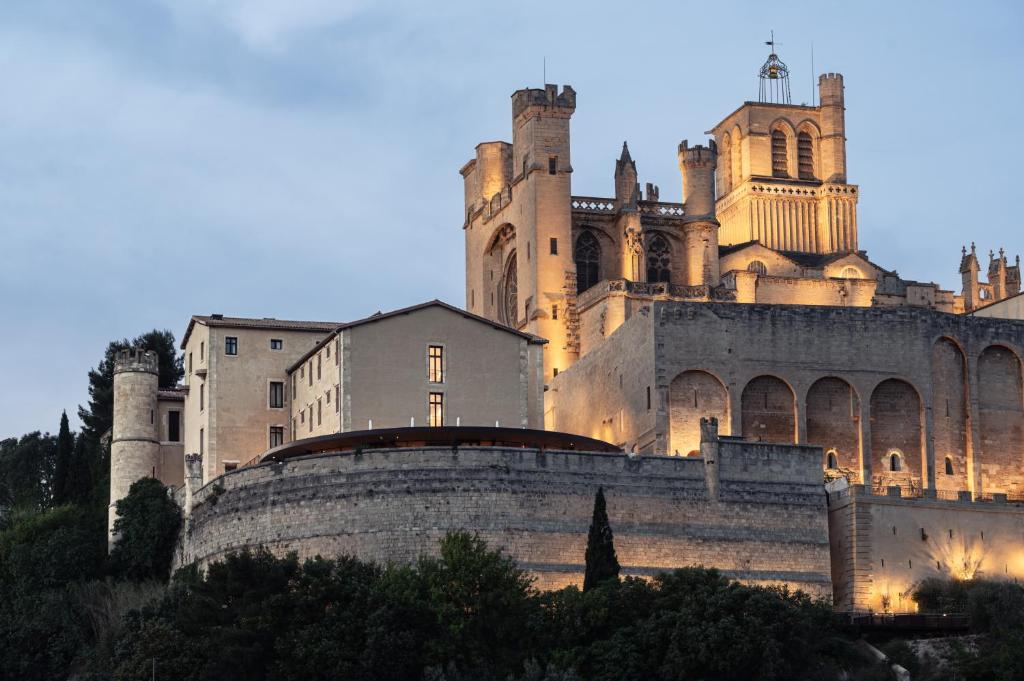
(782, 175)
(519, 266)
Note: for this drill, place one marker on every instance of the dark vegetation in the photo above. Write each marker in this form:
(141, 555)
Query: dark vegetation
(70, 611)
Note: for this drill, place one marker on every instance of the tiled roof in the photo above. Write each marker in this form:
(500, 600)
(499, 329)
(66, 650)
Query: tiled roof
(253, 323)
(175, 394)
(406, 310)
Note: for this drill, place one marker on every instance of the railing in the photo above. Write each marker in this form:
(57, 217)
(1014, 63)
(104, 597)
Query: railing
(674, 210)
(592, 204)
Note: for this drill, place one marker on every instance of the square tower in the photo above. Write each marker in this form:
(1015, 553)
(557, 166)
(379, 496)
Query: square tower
(782, 175)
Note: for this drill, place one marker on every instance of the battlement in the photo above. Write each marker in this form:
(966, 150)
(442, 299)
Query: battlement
(548, 98)
(830, 89)
(136, 359)
(698, 155)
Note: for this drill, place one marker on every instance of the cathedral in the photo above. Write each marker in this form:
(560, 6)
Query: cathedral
(752, 390)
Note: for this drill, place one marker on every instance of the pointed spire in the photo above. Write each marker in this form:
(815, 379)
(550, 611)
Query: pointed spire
(625, 161)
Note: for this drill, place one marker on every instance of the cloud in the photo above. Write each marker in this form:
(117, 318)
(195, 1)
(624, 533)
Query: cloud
(271, 25)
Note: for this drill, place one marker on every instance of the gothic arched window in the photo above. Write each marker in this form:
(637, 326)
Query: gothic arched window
(949, 465)
(805, 156)
(895, 462)
(659, 260)
(507, 293)
(587, 255)
(831, 460)
(780, 154)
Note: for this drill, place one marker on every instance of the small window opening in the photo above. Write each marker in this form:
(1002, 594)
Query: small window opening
(554, 246)
(552, 165)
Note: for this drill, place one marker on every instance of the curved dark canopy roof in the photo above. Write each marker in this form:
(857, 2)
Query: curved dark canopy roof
(448, 436)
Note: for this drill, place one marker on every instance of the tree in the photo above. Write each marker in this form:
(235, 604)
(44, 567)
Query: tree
(26, 471)
(62, 466)
(98, 417)
(81, 475)
(602, 564)
(147, 527)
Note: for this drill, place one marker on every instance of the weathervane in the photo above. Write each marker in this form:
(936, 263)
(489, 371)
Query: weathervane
(774, 77)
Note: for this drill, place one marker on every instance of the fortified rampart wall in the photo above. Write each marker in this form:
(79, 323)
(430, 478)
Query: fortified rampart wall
(882, 545)
(762, 518)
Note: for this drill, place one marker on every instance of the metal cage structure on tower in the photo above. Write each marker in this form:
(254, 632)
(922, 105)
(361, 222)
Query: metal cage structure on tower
(774, 77)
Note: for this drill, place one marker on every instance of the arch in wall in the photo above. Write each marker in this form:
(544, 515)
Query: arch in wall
(693, 395)
(1000, 420)
(757, 267)
(851, 272)
(833, 421)
(736, 159)
(896, 427)
(659, 259)
(725, 164)
(587, 255)
(950, 422)
(768, 410)
(782, 141)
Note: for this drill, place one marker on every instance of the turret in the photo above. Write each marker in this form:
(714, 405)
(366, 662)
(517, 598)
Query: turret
(627, 188)
(700, 227)
(698, 168)
(134, 444)
(833, 127)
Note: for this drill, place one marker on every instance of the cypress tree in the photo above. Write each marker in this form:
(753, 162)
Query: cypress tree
(602, 564)
(65, 447)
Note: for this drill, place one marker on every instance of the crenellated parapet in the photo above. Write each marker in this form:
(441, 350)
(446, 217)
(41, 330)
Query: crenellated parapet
(548, 100)
(136, 359)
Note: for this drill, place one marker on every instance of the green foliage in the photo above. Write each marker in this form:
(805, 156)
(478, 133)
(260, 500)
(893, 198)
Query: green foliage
(27, 471)
(62, 464)
(146, 527)
(41, 554)
(98, 417)
(602, 563)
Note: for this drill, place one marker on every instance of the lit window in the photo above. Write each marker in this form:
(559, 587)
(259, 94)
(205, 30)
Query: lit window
(276, 344)
(276, 394)
(276, 436)
(435, 416)
(230, 345)
(435, 364)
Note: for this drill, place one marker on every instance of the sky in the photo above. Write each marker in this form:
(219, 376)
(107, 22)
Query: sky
(299, 159)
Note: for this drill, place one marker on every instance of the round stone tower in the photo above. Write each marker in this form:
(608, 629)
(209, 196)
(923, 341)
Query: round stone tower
(700, 227)
(134, 445)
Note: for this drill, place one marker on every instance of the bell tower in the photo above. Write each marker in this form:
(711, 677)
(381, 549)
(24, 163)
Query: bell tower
(782, 168)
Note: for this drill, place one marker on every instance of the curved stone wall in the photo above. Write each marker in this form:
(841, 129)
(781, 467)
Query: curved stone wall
(764, 519)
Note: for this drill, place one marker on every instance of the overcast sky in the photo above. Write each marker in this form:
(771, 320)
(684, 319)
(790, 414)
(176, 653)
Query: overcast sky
(299, 158)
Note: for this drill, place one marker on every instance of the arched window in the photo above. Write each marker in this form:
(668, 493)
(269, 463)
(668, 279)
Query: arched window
(508, 293)
(831, 460)
(757, 267)
(949, 465)
(851, 273)
(780, 155)
(659, 260)
(895, 462)
(587, 255)
(805, 156)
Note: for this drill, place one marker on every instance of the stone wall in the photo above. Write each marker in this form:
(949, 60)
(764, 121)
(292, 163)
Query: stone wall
(763, 521)
(883, 545)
